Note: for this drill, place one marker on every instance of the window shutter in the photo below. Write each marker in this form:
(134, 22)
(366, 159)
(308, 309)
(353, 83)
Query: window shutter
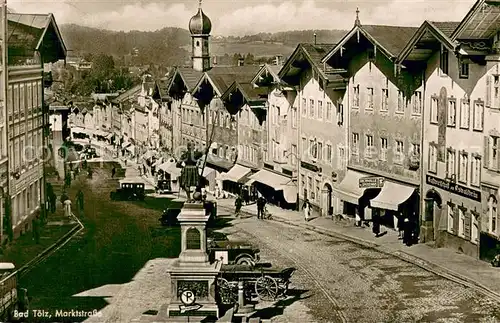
(488, 90)
(468, 224)
(486, 157)
(456, 220)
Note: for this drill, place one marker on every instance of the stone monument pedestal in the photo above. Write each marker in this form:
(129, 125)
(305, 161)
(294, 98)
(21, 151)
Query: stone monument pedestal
(193, 278)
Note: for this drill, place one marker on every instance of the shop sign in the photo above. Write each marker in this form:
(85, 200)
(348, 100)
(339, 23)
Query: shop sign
(312, 168)
(371, 182)
(454, 188)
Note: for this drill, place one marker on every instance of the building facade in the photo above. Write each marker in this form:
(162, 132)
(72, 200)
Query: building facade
(27, 116)
(321, 129)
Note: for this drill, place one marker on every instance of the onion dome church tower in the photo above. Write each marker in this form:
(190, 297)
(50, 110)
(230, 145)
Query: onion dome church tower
(200, 27)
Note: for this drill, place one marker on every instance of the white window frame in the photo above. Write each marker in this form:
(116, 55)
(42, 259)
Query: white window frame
(399, 151)
(355, 143)
(465, 113)
(304, 107)
(493, 151)
(463, 167)
(320, 109)
(452, 112)
(433, 151)
(475, 171)
(417, 103)
(369, 146)
(312, 108)
(355, 97)
(400, 108)
(384, 147)
(450, 217)
(474, 229)
(329, 112)
(478, 115)
(451, 162)
(341, 157)
(434, 110)
(385, 100)
(461, 223)
(369, 98)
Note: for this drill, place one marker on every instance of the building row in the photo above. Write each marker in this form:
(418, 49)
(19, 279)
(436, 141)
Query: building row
(388, 122)
(33, 41)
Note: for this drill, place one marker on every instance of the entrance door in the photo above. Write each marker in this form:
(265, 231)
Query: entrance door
(327, 200)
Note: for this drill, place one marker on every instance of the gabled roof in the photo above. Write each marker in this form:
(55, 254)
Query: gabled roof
(128, 93)
(221, 77)
(388, 39)
(267, 69)
(481, 22)
(439, 30)
(36, 32)
(313, 53)
(189, 76)
(163, 85)
(249, 92)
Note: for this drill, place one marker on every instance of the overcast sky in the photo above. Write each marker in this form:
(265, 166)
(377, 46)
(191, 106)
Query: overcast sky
(239, 17)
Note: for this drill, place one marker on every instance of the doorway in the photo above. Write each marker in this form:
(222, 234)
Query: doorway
(327, 199)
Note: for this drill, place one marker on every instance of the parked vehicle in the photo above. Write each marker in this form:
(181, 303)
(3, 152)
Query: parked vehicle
(232, 252)
(130, 190)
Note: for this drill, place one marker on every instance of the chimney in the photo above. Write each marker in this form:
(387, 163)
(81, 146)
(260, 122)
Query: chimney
(315, 38)
(241, 61)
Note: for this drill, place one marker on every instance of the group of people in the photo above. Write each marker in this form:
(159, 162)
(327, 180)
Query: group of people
(261, 206)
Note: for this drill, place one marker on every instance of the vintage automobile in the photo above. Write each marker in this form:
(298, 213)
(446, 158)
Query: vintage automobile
(130, 190)
(232, 252)
(169, 215)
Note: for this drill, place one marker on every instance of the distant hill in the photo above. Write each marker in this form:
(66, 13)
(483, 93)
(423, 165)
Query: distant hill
(172, 46)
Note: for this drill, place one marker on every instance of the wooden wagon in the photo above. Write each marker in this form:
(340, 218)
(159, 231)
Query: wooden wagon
(259, 280)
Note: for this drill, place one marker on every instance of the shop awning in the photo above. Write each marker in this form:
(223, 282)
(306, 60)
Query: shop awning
(348, 190)
(170, 168)
(78, 130)
(207, 171)
(392, 195)
(236, 173)
(278, 182)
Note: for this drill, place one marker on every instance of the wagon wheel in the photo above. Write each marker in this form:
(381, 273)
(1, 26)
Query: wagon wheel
(226, 291)
(266, 288)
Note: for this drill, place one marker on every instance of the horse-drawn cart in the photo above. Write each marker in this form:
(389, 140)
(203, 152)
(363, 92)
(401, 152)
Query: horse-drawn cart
(262, 281)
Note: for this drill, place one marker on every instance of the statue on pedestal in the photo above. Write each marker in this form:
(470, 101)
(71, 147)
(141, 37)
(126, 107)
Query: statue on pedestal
(189, 174)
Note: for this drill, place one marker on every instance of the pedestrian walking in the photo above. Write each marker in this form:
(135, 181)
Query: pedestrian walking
(307, 209)
(36, 229)
(144, 169)
(261, 203)
(140, 170)
(80, 200)
(406, 231)
(90, 172)
(67, 208)
(113, 172)
(400, 225)
(238, 204)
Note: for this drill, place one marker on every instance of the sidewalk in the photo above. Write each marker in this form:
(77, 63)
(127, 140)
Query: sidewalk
(444, 262)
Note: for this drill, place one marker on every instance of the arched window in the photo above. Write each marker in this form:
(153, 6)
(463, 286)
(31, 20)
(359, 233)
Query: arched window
(493, 215)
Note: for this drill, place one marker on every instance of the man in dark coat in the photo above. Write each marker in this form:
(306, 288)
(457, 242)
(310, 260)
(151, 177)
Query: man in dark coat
(261, 202)
(238, 204)
(113, 172)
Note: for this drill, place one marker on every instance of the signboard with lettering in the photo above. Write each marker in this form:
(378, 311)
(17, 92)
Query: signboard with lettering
(311, 167)
(454, 188)
(371, 182)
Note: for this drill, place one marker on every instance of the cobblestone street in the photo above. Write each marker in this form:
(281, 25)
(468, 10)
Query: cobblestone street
(338, 281)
